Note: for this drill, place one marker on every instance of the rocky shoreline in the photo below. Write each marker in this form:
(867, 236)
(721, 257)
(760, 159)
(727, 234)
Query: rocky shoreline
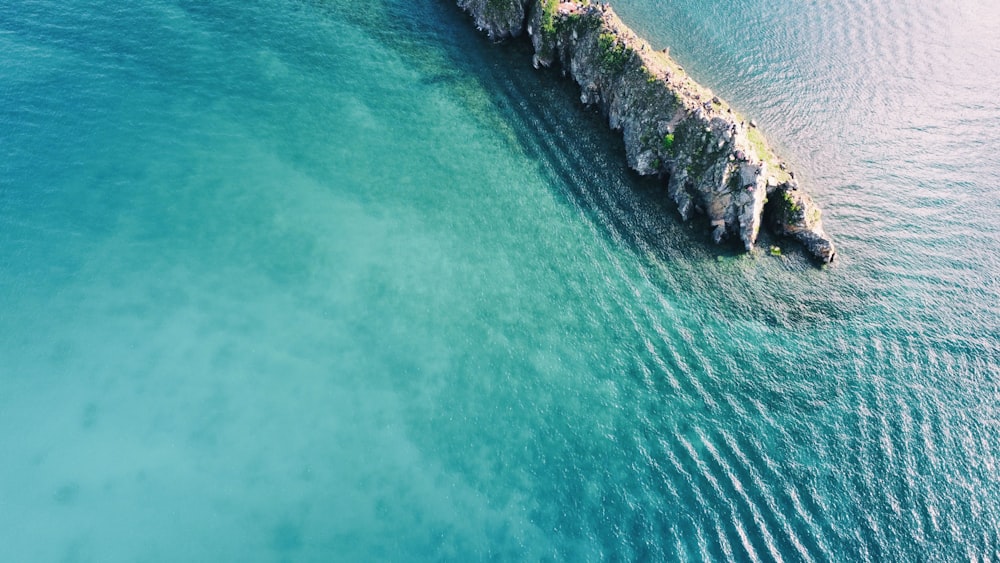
(715, 161)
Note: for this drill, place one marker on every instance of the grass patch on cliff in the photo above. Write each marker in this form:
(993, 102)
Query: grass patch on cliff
(758, 143)
(668, 143)
(549, 16)
(651, 78)
(614, 55)
(765, 153)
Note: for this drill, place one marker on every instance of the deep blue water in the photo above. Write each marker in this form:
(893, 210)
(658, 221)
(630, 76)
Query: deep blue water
(318, 281)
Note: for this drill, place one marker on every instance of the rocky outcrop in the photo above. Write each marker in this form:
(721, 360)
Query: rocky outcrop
(714, 161)
(795, 215)
(498, 18)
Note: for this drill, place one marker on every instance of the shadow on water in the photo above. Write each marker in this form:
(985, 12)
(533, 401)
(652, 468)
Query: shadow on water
(537, 113)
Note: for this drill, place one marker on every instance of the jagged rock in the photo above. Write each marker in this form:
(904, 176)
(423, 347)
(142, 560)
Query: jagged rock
(590, 94)
(500, 19)
(797, 216)
(670, 124)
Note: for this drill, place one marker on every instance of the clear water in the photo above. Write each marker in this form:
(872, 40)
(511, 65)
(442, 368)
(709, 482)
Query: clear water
(314, 281)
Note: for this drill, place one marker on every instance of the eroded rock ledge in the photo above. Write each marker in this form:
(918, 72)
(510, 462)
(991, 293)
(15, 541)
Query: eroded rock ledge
(715, 161)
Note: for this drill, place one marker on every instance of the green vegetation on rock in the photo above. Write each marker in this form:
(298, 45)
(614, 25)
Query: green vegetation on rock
(668, 143)
(790, 204)
(614, 55)
(758, 142)
(650, 77)
(764, 153)
(548, 16)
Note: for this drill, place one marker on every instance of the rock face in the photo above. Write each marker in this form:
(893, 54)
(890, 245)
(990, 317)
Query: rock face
(715, 162)
(498, 18)
(795, 215)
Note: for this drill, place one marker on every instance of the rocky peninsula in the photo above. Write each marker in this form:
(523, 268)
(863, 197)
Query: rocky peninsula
(714, 161)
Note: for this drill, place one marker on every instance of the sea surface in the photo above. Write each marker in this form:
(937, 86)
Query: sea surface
(340, 280)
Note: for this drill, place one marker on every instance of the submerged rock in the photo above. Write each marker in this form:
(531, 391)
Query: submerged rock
(672, 126)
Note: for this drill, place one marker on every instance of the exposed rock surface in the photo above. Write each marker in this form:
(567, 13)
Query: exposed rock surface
(795, 215)
(498, 18)
(715, 162)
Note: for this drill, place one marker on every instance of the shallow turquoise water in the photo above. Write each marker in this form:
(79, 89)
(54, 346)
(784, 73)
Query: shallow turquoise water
(305, 281)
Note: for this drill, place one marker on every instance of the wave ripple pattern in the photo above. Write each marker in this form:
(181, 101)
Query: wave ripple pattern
(343, 281)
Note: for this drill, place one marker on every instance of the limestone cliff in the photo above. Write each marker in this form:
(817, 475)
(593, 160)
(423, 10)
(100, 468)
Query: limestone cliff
(715, 161)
